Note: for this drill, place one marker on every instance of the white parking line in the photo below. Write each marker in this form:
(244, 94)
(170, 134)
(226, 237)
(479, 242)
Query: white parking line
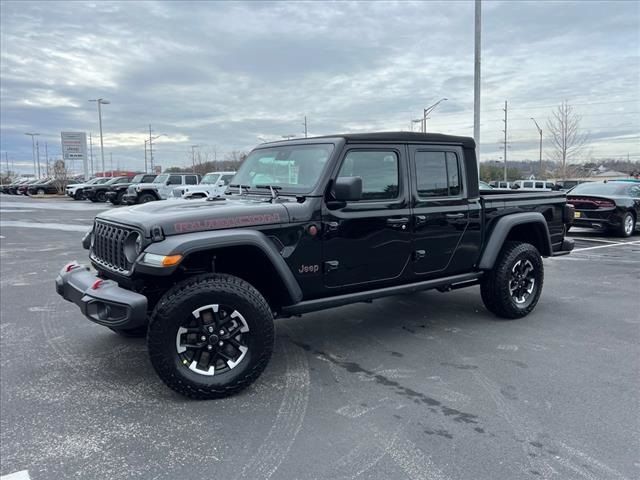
(21, 475)
(637, 242)
(47, 226)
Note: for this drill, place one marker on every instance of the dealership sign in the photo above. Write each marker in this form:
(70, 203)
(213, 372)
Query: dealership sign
(74, 147)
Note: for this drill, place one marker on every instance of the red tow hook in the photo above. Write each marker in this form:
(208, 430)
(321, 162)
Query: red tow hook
(97, 284)
(70, 266)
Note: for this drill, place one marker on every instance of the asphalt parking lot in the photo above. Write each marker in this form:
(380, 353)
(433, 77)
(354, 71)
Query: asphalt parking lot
(427, 386)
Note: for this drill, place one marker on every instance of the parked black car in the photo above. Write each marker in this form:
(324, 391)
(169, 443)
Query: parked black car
(98, 192)
(611, 205)
(22, 188)
(47, 186)
(117, 190)
(307, 225)
(11, 188)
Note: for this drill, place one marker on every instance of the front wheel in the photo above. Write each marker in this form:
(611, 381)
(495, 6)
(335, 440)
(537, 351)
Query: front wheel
(101, 196)
(78, 196)
(513, 287)
(145, 198)
(211, 336)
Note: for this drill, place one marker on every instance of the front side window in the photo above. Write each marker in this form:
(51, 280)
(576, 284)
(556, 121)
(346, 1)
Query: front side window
(191, 180)
(378, 170)
(161, 179)
(539, 184)
(226, 179)
(438, 174)
(293, 168)
(528, 185)
(210, 178)
(175, 180)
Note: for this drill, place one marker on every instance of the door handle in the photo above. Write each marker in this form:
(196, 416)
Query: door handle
(454, 215)
(400, 223)
(421, 219)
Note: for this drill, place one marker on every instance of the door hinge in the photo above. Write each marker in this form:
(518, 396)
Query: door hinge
(331, 265)
(419, 254)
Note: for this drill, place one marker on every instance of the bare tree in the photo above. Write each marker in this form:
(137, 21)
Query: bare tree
(61, 175)
(566, 139)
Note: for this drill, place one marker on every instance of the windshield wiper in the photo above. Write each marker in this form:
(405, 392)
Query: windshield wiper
(240, 186)
(273, 188)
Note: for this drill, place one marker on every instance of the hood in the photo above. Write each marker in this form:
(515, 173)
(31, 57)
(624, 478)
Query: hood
(184, 216)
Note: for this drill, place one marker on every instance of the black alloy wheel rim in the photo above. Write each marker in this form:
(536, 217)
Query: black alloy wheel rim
(213, 340)
(522, 282)
(628, 224)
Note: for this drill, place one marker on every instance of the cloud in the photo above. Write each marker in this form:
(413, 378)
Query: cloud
(225, 73)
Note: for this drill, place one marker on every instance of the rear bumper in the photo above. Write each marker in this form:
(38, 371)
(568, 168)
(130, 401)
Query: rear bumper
(101, 301)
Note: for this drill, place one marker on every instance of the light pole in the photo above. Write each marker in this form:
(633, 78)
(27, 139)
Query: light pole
(101, 101)
(540, 132)
(427, 111)
(146, 170)
(33, 150)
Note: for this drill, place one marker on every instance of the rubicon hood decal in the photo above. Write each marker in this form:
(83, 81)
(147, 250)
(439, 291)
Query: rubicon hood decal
(227, 222)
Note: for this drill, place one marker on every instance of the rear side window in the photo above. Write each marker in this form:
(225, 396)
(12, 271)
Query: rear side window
(122, 180)
(148, 178)
(226, 179)
(539, 184)
(175, 180)
(192, 180)
(529, 185)
(438, 174)
(378, 170)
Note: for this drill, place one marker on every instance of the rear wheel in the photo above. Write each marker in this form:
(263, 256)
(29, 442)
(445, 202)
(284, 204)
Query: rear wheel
(101, 196)
(513, 287)
(117, 200)
(627, 226)
(145, 198)
(40, 191)
(211, 336)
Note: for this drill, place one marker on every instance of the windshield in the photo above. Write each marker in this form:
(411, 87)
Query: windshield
(609, 188)
(294, 168)
(161, 179)
(137, 178)
(210, 178)
(101, 180)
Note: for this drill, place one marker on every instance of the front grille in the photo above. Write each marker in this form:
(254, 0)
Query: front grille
(108, 246)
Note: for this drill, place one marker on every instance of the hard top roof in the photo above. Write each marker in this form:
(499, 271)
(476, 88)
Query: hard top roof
(393, 137)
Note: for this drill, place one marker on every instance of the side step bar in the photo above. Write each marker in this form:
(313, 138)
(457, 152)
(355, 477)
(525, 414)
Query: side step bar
(446, 283)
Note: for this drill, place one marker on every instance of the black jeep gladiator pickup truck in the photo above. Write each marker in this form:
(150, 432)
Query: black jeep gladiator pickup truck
(307, 225)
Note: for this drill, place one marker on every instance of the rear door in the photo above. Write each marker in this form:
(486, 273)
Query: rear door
(369, 240)
(440, 207)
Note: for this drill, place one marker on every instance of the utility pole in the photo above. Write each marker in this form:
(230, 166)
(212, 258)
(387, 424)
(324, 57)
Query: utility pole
(101, 101)
(33, 150)
(150, 149)
(38, 155)
(146, 170)
(193, 157)
(111, 163)
(46, 155)
(540, 132)
(476, 80)
(505, 140)
(91, 154)
(305, 126)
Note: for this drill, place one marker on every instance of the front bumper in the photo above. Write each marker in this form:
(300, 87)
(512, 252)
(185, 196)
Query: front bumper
(101, 301)
(130, 198)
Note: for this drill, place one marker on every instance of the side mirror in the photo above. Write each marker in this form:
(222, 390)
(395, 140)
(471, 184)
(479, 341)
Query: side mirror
(348, 189)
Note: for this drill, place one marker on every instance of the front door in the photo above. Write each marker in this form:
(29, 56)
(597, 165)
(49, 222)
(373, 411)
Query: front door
(369, 240)
(441, 208)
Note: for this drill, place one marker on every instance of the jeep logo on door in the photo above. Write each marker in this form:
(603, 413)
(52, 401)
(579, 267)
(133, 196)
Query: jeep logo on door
(309, 269)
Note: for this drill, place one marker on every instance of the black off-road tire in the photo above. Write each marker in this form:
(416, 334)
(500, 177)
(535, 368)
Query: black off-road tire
(118, 198)
(177, 305)
(146, 197)
(78, 195)
(494, 287)
(101, 196)
(137, 332)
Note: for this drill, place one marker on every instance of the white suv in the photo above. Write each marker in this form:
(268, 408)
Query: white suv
(213, 184)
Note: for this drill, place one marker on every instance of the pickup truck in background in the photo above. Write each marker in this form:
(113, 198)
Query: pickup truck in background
(307, 225)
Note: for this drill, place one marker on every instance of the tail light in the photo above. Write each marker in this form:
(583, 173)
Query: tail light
(605, 203)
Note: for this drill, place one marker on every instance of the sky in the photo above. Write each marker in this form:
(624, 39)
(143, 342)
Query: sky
(227, 76)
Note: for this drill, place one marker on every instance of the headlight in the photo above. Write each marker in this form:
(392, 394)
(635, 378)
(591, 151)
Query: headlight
(132, 246)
